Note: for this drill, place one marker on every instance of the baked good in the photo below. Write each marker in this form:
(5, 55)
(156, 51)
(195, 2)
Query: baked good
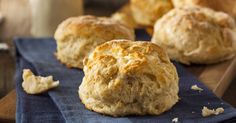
(129, 78)
(196, 88)
(36, 84)
(204, 3)
(146, 12)
(76, 37)
(125, 16)
(196, 35)
(228, 6)
(206, 112)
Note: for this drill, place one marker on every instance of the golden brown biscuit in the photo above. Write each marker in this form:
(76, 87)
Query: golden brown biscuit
(182, 3)
(228, 6)
(76, 37)
(124, 78)
(196, 35)
(124, 15)
(146, 12)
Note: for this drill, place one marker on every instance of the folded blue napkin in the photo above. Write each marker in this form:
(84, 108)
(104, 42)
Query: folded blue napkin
(62, 104)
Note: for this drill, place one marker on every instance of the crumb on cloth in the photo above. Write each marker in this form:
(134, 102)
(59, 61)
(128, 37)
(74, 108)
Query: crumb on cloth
(36, 84)
(208, 112)
(196, 88)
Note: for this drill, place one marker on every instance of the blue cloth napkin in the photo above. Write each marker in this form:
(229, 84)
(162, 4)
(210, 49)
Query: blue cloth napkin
(62, 104)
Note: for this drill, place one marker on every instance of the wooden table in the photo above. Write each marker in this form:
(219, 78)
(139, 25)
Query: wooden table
(216, 77)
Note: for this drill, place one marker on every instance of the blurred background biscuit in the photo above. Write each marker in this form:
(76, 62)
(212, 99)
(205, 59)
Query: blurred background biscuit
(227, 6)
(146, 12)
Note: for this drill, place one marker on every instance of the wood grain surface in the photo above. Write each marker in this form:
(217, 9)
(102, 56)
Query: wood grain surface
(8, 108)
(7, 69)
(216, 77)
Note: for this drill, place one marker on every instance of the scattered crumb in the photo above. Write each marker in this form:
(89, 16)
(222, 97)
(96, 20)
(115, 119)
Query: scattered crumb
(222, 103)
(193, 112)
(36, 84)
(175, 120)
(208, 103)
(208, 112)
(196, 88)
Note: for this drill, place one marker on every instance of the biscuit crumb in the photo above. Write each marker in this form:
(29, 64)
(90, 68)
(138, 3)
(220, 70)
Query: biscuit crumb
(196, 88)
(36, 84)
(175, 120)
(208, 112)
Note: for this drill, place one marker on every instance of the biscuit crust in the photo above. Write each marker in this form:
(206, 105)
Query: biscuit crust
(146, 12)
(123, 77)
(196, 35)
(76, 37)
(228, 6)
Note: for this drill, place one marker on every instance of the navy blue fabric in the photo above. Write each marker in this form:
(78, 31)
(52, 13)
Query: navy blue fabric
(62, 104)
(33, 108)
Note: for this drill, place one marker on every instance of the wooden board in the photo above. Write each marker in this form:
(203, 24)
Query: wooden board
(7, 70)
(8, 108)
(216, 77)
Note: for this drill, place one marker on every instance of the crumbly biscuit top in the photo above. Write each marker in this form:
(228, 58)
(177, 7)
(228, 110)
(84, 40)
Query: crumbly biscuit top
(124, 77)
(130, 56)
(84, 26)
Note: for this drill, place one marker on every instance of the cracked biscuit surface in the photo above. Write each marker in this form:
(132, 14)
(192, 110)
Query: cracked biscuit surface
(196, 35)
(129, 78)
(76, 37)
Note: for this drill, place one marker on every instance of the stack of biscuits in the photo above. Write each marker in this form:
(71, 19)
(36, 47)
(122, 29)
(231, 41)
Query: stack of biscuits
(128, 77)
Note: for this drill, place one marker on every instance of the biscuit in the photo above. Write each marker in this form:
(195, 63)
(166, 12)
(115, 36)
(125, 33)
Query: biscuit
(129, 78)
(76, 37)
(146, 12)
(227, 6)
(196, 35)
(124, 15)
